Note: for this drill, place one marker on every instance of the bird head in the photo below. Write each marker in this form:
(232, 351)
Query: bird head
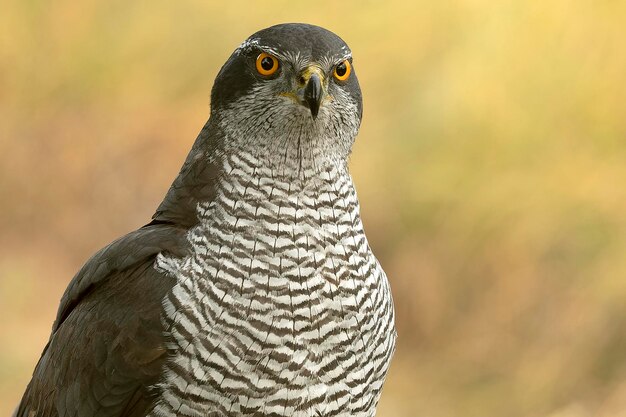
(289, 89)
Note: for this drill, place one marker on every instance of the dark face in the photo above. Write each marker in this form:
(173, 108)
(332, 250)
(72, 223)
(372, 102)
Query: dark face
(290, 82)
(296, 53)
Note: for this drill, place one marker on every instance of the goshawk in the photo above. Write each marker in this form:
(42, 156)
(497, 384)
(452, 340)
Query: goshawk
(253, 291)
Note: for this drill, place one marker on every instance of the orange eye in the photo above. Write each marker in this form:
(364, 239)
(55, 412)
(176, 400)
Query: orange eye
(266, 64)
(342, 70)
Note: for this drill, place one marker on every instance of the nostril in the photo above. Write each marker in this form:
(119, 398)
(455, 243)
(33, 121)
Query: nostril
(302, 80)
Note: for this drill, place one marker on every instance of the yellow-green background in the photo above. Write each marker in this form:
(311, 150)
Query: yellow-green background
(491, 167)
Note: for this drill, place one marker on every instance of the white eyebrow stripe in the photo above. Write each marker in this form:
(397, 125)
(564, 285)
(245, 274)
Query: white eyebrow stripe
(247, 44)
(271, 50)
(296, 58)
(330, 62)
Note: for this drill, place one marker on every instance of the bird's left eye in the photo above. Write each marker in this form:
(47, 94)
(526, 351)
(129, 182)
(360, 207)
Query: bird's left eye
(342, 70)
(266, 64)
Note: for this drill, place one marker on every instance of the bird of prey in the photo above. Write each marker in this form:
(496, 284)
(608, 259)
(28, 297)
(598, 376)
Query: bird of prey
(253, 291)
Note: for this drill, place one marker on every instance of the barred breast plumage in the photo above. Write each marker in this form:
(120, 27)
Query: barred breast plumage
(281, 309)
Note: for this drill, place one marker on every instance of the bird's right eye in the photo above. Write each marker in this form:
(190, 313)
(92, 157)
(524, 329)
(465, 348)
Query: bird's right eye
(266, 64)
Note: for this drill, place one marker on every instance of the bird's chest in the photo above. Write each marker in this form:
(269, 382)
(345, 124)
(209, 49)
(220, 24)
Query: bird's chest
(277, 308)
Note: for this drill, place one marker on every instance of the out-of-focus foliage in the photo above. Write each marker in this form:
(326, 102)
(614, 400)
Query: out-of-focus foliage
(491, 167)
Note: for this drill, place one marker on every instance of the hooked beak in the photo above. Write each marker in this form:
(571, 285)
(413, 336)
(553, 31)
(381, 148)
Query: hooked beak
(313, 94)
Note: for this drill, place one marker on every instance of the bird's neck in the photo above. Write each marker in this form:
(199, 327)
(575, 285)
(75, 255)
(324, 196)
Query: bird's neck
(261, 184)
(254, 202)
(295, 148)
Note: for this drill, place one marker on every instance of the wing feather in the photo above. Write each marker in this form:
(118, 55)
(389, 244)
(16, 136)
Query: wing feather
(107, 345)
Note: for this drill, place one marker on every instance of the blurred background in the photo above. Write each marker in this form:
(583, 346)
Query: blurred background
(491, 167)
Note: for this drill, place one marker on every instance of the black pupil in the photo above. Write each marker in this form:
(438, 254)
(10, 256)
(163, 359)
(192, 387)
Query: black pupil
(267, 63)
(341, 69)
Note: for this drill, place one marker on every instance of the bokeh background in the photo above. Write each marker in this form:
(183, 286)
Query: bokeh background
(491, 167)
